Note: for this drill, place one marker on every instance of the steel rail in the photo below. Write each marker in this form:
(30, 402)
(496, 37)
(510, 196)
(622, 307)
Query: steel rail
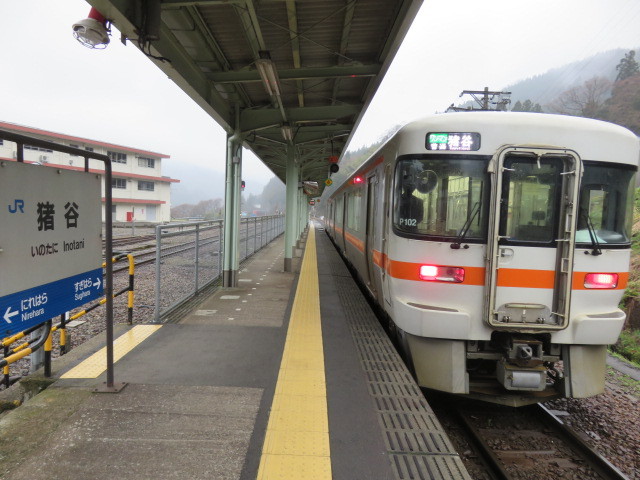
(600, 464)
(496, 468)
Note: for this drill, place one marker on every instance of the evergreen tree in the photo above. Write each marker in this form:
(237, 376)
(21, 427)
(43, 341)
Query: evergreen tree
(623, 107)
(628, 66)
(527, 106)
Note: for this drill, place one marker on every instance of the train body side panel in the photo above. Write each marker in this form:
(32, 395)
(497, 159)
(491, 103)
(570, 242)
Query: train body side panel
(363, 214)
(437, 309)
(595, 317)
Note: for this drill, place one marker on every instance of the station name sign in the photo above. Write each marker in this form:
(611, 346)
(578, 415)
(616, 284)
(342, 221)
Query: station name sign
(50, 243)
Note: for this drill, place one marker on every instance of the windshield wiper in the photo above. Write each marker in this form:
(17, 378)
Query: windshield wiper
(465, 228)
(592, 234)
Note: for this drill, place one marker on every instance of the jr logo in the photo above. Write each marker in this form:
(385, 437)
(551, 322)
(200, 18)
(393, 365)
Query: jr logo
(17, 205)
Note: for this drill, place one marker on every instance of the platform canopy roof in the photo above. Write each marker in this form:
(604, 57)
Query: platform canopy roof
(279, 71)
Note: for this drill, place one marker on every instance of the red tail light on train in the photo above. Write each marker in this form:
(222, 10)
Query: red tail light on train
(601, 280)
(436, 273)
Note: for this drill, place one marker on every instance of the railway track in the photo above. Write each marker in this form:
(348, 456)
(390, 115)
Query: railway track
(148, 255)
(145, 253)
(523, 443)
(130, 240)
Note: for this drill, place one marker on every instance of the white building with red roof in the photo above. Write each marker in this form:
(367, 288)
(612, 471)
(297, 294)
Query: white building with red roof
(140, 192)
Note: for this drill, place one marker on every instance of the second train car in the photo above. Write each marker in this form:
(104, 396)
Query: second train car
(498, 245)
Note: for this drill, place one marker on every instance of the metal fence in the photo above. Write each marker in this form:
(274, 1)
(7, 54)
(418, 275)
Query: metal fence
(189, 256)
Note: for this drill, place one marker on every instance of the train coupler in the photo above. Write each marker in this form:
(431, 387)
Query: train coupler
(514, 377)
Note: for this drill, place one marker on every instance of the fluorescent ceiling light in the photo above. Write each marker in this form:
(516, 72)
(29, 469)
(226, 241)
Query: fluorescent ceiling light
(268, 74)
(287, 132)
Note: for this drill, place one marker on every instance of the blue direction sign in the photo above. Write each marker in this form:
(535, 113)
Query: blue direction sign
(27, 308)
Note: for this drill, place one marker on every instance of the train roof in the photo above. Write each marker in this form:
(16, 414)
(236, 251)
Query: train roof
(591, 139)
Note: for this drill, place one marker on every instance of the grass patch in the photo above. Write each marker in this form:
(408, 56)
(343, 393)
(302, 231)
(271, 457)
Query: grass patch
(626, 383)
(630, 383)
(628, 346)
(632, 291)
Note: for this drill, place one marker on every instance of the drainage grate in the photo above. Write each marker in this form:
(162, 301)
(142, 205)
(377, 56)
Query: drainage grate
(417, 445)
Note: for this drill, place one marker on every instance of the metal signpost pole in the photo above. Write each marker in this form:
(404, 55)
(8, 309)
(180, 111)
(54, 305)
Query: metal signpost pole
(108, 255)
(158, 283)
(197, 259)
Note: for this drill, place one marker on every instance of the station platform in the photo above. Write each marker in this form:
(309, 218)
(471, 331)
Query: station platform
(288, 376)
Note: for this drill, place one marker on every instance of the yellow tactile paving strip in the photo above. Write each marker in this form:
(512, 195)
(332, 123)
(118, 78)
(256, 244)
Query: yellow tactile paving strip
(296, 445)
(96, 364)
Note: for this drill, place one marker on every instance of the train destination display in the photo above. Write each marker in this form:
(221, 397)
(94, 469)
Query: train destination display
(50, 243)
(453, 141)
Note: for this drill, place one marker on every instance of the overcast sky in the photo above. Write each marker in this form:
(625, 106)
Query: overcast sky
(49, 81)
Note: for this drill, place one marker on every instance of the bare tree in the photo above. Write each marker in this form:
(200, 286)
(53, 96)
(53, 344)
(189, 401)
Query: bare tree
(587, 100)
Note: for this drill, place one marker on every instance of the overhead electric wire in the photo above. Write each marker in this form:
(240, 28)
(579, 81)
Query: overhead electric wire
(612, 24)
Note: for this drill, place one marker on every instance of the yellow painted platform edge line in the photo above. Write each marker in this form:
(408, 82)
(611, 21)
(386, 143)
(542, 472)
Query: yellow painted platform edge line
(276, 461)
(96, 364)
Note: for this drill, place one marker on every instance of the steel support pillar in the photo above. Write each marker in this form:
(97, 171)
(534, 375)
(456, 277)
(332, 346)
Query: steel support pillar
(232, 210)
(298, 217)
(304, 211)
(291, 227)
(301, 197)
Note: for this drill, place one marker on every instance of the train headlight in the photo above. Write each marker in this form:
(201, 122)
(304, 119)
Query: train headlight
(438, 273)
(601, 280)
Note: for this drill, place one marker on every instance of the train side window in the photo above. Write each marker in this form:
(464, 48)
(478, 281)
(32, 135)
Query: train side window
(339, 211)
(354, 207)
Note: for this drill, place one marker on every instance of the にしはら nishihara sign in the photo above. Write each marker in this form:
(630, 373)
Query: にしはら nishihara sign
(50, 243)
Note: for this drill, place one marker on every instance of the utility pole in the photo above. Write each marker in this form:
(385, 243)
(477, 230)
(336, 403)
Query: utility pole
(484, 98)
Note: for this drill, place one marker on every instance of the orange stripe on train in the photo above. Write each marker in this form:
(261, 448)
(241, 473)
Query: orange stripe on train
(507, 277)
(521, 278)
(355, 241)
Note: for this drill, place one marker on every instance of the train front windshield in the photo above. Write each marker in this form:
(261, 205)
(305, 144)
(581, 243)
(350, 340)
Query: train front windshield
(606, 204)
(437, 196)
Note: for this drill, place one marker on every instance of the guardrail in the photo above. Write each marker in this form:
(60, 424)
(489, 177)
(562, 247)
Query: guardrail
(22, 350)
(189, 256)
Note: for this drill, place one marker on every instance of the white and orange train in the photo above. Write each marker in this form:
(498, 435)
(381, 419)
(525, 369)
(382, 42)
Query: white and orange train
(498, 244)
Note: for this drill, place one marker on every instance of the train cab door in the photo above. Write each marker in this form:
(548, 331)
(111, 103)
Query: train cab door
(386, 219)
(371, 232)
(531, 237)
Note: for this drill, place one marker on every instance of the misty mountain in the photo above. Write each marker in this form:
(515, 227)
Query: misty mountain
(196, 183)
(545, 87)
